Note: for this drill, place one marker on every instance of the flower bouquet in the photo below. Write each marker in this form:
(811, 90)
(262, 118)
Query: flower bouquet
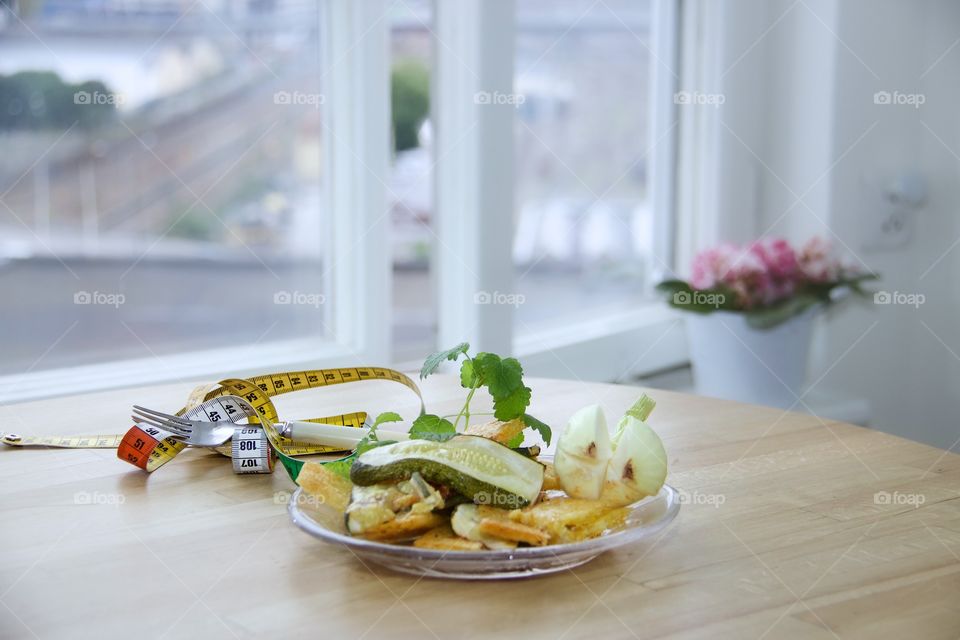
(768, 281)
(752, 315)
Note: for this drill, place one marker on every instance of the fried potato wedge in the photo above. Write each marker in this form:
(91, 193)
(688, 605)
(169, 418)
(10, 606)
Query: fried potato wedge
(444, 539)
(325, 485)
(551, 481)
(570, 519)
(497, 523)
(502, 432)
(405, 526)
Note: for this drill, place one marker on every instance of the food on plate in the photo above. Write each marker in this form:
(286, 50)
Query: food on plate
(382, 510)
(551, 481)
(443, 538)
(471, 465)
(502, 432)
(472, 493)
(466, 524)
(567, 519)
(498, 523)
(618, 471)
(638, 467)
(475, 487)
(404, 527)
(325, 485)
(583, 452)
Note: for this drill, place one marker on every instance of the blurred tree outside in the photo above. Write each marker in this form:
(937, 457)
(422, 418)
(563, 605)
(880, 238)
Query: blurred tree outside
(42, 100)
(410, 102)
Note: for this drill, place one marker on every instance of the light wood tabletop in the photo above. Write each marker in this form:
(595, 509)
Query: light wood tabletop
(792, 527)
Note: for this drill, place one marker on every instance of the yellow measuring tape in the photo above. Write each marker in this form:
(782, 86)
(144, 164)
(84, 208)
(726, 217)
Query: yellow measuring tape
(252, 447)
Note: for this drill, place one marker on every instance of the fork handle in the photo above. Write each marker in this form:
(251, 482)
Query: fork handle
(334, 436)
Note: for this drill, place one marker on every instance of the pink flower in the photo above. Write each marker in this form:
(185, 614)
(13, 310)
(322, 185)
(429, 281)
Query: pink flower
(817, 262)
(734, 268)
(779, 262)
(767, 271)
(710, 266)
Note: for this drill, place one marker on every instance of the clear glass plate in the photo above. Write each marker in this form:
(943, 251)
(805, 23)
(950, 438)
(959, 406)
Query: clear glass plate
(647, 517)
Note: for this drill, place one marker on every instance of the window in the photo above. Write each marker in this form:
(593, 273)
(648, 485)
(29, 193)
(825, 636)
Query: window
(189, 179)
(411, 180)
(584, 230)
(162, 186)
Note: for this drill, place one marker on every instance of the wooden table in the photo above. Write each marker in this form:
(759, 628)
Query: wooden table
(793, 527)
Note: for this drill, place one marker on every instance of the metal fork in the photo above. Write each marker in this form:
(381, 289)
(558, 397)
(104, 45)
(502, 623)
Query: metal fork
(194, 431)
(197, 434)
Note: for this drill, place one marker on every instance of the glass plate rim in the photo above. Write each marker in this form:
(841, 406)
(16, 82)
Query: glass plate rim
(603, 543)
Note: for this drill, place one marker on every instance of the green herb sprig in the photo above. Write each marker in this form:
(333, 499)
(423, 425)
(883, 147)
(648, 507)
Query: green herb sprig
(503, 380)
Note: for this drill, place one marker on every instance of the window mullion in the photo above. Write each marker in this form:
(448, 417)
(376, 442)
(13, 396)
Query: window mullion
(474, 172)
(357, 127)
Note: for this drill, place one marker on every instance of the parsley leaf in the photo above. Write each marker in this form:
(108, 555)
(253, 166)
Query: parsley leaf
(386, 416)
(511, 406)
(504, 380)
(541, 427)
(516, 441)
(371, 440)
(431, 427)
(433, 362)
(501, 377)
(468, 377)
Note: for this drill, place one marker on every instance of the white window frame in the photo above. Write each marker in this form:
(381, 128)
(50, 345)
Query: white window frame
(474, 53)
(474, 205)
(357, 268)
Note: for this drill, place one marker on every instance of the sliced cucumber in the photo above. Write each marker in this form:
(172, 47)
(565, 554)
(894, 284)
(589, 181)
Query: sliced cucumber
(485, 471)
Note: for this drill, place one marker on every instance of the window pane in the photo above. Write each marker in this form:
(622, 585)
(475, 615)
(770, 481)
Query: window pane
(584, 226)
(411, 184)
(161, 186)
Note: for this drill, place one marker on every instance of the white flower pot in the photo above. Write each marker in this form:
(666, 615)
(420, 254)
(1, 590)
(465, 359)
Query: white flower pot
(733, 360)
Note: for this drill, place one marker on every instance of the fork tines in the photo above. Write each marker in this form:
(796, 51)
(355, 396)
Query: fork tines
(160, 420)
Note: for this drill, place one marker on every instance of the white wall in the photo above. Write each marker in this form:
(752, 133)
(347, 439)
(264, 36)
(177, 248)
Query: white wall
(822, 137)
